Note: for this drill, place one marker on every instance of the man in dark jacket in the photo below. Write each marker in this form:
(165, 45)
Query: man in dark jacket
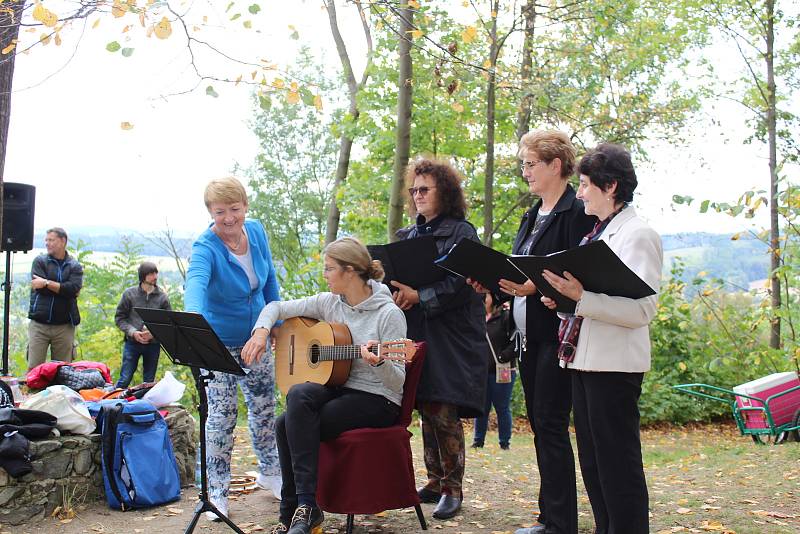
(139, 342)
(56, 280)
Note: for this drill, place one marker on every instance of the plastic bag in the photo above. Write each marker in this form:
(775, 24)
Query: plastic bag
(166, 391)
(66, 405)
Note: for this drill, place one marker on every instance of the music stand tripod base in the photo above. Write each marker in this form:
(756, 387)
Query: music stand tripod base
(189, 340)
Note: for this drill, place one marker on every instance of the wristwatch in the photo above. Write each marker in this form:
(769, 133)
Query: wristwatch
(47, 283)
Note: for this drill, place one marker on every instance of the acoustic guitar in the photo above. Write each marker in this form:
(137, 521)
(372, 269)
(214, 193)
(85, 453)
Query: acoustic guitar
(308, 350)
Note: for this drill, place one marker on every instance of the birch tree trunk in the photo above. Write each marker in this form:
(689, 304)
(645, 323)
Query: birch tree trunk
(403, 129)
(353, 88)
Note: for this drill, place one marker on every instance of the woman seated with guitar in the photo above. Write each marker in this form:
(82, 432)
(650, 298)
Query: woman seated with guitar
(370, 397)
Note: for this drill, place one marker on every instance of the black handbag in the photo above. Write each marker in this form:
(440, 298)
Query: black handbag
(79, 379)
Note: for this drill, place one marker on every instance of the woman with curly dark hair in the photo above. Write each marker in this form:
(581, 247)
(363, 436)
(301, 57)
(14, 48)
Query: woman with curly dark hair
(449, 316)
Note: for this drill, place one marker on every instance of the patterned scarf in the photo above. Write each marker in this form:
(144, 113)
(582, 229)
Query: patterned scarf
(570, 328)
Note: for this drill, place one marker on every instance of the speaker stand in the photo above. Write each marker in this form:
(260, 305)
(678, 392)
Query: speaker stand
(6, 304)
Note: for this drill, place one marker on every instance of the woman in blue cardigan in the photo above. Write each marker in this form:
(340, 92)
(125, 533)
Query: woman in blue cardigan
(231, 278)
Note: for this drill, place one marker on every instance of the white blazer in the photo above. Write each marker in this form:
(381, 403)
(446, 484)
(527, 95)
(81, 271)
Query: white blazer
(615, 335)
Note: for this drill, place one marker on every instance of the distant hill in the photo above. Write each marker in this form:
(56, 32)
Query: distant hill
(104, 239)
(738, 262)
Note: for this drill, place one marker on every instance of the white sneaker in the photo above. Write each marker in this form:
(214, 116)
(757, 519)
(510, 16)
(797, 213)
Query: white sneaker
(273, 483)
(222, 507)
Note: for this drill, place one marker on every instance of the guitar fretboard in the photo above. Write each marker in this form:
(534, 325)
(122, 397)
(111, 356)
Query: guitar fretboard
(337, 352)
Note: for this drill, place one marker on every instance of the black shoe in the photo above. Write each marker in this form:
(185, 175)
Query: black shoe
(505, 446)
(477, 444)
(448, 507)
(305, 519)
(428, 496)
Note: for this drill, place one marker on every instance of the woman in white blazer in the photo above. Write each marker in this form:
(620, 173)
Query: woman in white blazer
(606, 344)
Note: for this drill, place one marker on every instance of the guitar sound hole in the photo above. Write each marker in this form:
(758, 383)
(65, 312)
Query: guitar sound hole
(313, 353)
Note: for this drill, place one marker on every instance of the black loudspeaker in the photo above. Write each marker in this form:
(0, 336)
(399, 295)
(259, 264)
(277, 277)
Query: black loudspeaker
(18, 204)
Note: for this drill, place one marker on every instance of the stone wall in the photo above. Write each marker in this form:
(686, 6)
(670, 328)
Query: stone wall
(66, 470)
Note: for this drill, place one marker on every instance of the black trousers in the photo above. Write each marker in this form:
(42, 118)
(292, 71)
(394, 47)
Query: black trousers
(548, 400)
(316, 413)
(610, 449)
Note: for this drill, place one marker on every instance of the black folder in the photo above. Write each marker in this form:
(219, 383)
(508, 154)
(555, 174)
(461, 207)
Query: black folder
(189, 340)
(594, 265)
(409, 262)
(472, 259)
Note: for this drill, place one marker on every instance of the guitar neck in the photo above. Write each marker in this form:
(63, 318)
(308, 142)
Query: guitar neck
(328, 353)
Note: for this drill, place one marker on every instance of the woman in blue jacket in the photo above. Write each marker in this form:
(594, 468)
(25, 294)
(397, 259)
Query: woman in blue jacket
(231, 278)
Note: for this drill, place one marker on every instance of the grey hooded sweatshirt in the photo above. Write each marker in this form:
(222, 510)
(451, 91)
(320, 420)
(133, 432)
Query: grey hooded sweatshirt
(376, 318)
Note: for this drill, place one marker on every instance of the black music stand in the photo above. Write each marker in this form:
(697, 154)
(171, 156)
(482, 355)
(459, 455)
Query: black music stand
(189, 340)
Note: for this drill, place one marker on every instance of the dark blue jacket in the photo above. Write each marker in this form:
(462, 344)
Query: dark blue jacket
(56, 308)
(450, 318)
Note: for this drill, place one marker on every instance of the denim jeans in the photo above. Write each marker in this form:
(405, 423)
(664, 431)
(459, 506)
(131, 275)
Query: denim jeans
(131, 351)
(498, 395)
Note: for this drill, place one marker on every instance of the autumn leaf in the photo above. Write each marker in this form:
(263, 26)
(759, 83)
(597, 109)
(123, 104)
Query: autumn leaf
(45, 16)
(293, 97)
(57, 39)
(9, 48)
(113, 46)
(211, 92)
(413, 4)
(125, 125)
(318, 102)
(95, 24)
(416, 34)
(44, 39)
(118, 9)
(278, 83)
(457, 107)
(163, 29)
(469, 34)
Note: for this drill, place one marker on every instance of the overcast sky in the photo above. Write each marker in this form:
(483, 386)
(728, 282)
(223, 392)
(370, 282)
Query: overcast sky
(65, 136)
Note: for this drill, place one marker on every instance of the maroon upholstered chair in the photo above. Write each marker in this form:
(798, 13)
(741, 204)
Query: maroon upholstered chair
(369, 470)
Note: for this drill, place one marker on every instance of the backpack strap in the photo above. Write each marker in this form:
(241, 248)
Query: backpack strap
(111, 417)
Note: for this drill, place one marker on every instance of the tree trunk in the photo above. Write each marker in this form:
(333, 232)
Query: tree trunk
(524, 111)
(403, 130)
(775, 245)
(346, 141)
(9, 31)
(491, 88)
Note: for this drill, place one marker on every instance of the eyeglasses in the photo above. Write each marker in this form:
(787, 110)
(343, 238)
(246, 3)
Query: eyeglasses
(421, 190)
(530, 164)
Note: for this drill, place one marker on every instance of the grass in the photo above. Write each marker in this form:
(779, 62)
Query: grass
(701, 478)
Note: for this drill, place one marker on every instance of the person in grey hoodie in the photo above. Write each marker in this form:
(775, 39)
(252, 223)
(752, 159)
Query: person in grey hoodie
(370, 397)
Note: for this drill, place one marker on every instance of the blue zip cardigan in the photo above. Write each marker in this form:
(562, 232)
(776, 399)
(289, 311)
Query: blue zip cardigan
(217, 285)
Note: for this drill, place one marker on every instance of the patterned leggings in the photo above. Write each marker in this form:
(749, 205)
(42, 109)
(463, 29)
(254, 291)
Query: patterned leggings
(258, 388)
(443, 445)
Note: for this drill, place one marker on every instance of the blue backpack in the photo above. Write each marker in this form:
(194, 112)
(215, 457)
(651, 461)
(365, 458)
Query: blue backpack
(139, 468)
